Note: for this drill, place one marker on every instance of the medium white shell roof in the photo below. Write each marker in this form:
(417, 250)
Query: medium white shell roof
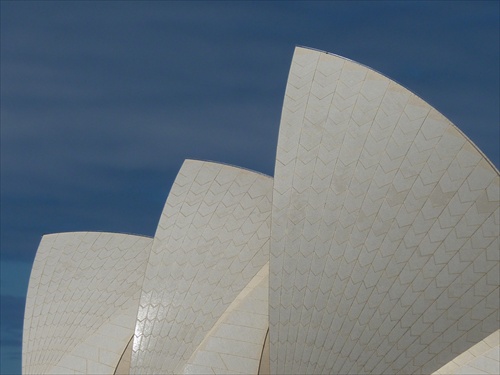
(212, 239)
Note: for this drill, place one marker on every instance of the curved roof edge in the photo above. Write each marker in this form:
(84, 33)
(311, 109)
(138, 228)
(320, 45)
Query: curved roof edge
(228, 165)
(234, 343)
(481, 358)
(411, 91)
(98, 232)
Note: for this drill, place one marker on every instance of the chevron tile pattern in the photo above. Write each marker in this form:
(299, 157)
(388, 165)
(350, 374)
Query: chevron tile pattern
(212, 239)
(384, 246)
(82, 301)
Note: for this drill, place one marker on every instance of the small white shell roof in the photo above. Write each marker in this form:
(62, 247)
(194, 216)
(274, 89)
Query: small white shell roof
(212, 239)
(82, 301)
(384, 245)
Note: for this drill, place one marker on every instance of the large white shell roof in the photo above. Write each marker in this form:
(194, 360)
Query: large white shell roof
(384, 228)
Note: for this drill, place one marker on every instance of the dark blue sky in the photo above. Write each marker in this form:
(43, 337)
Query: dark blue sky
(102, 101)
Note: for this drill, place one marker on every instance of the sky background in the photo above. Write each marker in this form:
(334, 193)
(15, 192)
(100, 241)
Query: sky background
(102, 101)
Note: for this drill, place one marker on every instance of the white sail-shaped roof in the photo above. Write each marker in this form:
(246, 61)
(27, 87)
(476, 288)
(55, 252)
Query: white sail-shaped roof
(212, 239)
(384, 245)
(82, 302)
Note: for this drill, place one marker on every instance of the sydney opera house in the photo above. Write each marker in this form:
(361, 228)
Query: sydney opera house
(373, 250)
